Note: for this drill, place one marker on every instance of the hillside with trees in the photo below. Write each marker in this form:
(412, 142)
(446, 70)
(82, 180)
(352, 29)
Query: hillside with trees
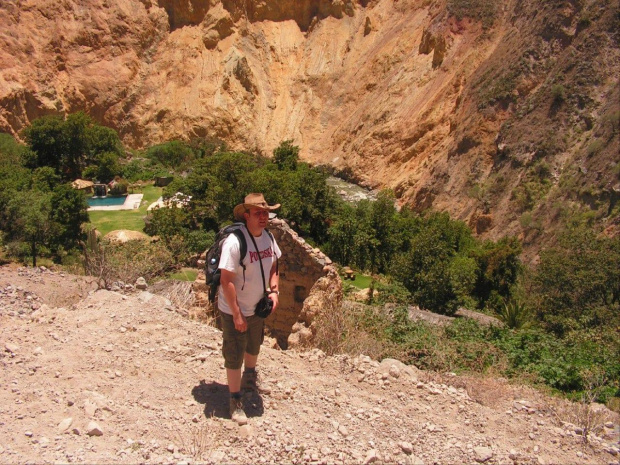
(560, 318)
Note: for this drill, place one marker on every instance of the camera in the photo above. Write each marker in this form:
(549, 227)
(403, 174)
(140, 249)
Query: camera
(264, 307)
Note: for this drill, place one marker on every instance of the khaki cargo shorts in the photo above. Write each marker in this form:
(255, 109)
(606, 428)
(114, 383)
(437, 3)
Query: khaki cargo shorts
(236, 343)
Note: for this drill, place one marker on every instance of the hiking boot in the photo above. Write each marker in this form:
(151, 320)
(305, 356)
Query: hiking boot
(249, 381)
(236, 412)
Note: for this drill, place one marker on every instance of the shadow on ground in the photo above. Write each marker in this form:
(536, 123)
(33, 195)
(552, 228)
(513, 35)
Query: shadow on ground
(215, 396)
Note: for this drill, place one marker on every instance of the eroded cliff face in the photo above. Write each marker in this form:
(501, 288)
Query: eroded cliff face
(404, 94)
(345, 80)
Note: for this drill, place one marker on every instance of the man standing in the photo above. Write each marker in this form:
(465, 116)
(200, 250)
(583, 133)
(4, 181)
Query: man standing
(241, 287)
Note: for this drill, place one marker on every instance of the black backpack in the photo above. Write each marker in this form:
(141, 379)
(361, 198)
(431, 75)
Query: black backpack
(212, 271)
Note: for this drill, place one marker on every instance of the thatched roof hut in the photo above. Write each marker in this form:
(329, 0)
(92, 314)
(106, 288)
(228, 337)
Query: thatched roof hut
(83, 185)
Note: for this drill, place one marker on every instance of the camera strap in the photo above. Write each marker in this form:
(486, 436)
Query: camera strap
(260, 262)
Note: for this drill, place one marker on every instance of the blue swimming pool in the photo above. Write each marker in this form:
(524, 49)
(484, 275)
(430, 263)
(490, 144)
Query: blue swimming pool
(108, 201)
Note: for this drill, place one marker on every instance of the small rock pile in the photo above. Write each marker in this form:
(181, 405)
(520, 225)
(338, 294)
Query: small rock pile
(18, 301)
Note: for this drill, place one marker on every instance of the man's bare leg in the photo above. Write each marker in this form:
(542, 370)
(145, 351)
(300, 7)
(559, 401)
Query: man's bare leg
(250, 361)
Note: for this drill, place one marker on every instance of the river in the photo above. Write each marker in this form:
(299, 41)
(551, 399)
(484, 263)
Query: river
(350, 192)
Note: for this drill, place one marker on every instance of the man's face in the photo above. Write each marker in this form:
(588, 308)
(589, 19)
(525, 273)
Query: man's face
(256, 218)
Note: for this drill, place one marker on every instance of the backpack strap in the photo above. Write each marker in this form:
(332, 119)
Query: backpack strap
(260, 264)
(243, 250)
(273, 241)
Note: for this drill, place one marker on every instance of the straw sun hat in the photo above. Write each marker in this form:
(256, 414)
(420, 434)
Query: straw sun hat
(253, 201)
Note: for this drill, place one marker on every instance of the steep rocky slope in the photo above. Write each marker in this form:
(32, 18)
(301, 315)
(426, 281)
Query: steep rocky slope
(124, 378)
(493, 111)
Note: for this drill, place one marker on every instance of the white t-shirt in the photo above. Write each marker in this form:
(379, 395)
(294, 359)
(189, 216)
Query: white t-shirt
(250, 292)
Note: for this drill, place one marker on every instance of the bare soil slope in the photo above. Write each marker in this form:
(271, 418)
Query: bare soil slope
(116, 378)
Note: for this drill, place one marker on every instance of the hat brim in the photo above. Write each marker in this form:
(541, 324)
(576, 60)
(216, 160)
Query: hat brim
(240, 209)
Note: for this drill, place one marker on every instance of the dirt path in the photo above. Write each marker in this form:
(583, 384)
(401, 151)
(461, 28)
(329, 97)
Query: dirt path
(114, 378)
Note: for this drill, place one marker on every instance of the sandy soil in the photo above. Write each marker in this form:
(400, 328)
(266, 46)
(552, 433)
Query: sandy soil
(95, 376)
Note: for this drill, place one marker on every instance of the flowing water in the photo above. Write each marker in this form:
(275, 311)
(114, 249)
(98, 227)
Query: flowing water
(350, 192)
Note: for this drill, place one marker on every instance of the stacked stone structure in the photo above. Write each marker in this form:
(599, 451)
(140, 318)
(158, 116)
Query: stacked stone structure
(305, 272)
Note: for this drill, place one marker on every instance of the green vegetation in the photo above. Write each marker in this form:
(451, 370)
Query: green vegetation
(498, 87)
(481, 10)
(110, 220)
(39, 216)
(536, 185)
(463, 346)
(561, 318)
(558, 94)
(576, 287)
(362, 281)
(72, 145)
(185, 275)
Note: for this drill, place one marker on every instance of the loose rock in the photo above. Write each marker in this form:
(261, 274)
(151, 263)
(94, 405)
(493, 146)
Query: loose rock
(93, 429)
(64, 425)
(482, 454)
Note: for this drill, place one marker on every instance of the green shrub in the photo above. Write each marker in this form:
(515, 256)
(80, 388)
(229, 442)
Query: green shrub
(175, 155)
(435, 268)
(286, 155)
(483, 11)
(561, 364)
(391, 291)
(527, 195)
(558, 93)
(142, 169)
(128, 261)
(577, 283)
(499, 268)
(198, 241)
(120, 187)
(515, 314)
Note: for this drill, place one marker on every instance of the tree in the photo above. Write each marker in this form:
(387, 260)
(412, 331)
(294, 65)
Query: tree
(499, 268)
(341, 234)
(69, 145)
(44, 179)
(307, 201)
(45, 137)
(286, 155)
(29, 211)
(383, 224)
(75, 145)
(577, 282)
(101, 139)
(174, 154)
(69, 211)
(13, 175)
(106, 167)
(436, 268)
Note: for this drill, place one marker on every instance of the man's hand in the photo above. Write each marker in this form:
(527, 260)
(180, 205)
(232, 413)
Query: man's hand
(226, 281)
(275, 299)
(241, 324)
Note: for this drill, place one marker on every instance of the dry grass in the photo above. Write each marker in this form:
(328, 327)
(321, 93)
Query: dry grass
(110, 262)
(588, 416)
(179, 293)
(488, 391)
(198, 441)
(330, 325)
(338, 331)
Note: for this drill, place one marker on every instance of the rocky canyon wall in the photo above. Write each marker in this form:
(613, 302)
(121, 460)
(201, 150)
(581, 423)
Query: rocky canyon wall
(446, 107)
(349, 82)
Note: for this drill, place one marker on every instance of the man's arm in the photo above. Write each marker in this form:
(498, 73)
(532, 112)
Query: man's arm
(274, 283)
(228, 287)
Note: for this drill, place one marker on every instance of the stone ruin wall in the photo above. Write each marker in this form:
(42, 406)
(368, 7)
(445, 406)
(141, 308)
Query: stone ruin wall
(309, 282)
